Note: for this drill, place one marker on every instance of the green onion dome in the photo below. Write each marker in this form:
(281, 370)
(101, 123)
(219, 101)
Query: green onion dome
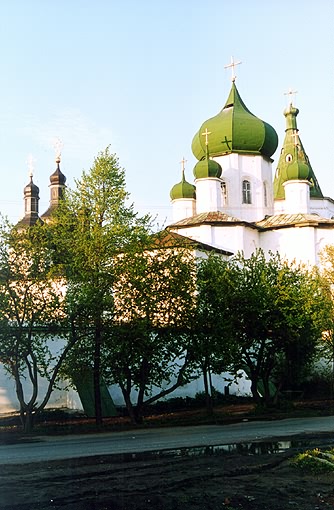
(236, 129)
(183, 189)
(298, 170)
(293, 163)
(207, 168)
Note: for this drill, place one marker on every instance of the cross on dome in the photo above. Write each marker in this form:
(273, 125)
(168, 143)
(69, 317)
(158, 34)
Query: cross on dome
(183, 163)
(291, 93)
(232, 65)
(206, 134)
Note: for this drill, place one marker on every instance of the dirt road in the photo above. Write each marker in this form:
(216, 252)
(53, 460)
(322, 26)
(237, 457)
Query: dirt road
(210, 481)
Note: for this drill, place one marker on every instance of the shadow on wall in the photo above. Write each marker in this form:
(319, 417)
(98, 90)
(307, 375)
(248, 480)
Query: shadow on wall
(60, 398)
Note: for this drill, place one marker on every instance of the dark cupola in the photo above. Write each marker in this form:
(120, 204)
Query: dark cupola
(31, 199)
(57, 187)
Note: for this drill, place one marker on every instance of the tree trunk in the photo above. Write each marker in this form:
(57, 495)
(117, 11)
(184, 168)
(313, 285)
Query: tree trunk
(254, 391)
(131, 410)
(27, 420)
(97, 375)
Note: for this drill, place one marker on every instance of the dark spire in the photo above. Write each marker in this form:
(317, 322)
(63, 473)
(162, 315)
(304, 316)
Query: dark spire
(31, 199)
(57, 186)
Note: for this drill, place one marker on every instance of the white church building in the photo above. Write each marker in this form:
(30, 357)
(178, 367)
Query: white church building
(237, 203)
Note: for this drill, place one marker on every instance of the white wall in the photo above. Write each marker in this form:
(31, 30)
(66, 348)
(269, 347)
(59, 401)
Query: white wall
(183, 208)
(323, 207)
(257, 170)
(189, 390)
(59, 398)
(209, 196)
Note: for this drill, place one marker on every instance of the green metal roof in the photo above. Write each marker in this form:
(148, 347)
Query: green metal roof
(293, 163)
(183, 189)
(207, 167)
(235, 129)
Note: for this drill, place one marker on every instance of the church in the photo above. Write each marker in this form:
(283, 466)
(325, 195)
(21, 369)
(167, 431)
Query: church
(238, 202)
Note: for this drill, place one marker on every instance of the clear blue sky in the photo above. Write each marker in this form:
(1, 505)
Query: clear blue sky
(142, 76)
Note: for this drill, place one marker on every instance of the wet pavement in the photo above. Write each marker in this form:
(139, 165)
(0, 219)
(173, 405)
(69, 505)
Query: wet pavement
(47, 448)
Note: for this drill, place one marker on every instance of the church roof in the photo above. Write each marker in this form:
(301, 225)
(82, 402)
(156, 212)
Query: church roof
(31, 190)
(167, 239)
(293, 163)
(29, 220)
(207, 218)
(57, 177)
(235, 129)
(269, 222)
(291, 220)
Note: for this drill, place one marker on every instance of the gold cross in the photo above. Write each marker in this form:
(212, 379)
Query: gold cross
(183, 162)
(291, 93)
(232, 65)
(206, 134)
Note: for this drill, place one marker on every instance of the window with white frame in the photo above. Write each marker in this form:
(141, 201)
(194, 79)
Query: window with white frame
(246, 192)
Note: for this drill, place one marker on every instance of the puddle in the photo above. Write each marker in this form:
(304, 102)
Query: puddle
(252, 448)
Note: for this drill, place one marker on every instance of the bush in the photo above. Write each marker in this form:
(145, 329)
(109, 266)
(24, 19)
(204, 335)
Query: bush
(315, 461)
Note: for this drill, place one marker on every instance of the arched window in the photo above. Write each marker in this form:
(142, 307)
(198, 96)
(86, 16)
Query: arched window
(224, 192)
(246, 192)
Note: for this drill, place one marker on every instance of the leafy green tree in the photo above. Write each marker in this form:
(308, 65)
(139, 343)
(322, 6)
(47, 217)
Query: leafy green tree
(212, 332)
(31, 315)
(92, 226)
(148, 345)
(280, 312)
(327, 344)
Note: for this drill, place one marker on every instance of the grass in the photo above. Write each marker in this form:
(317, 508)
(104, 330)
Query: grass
(315, 461)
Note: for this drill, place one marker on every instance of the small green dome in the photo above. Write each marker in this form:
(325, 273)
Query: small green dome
(236, 129)
(293, 163)
(207, 168)
(183, 189)
(297, 170)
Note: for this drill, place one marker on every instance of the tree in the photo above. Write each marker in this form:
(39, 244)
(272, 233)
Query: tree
(327, 344)
(148, 345)
(145, 336)
(92, 226)
(31, 315)
(212, 332)
(280, 312)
